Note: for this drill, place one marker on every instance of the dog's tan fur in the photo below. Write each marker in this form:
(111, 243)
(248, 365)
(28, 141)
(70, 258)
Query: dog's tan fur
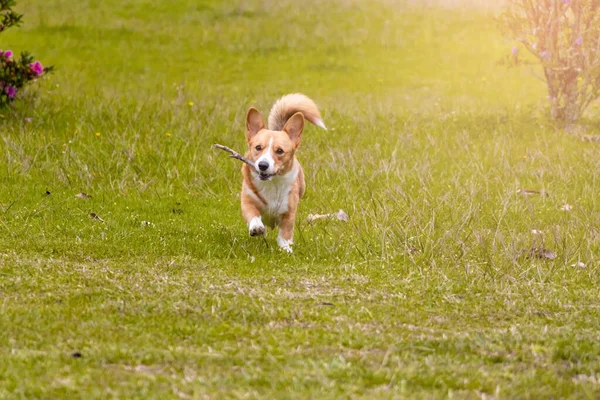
(274, 198)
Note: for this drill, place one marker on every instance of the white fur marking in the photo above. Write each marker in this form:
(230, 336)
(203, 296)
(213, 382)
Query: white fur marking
(268, 158)
(320, 123)
(285, 244)
(256, 227)
(276, 192)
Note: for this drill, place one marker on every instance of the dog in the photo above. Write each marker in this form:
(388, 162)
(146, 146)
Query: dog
(271, 191)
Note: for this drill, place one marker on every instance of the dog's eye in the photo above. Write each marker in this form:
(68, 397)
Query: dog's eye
(279, 151)
(258, 148)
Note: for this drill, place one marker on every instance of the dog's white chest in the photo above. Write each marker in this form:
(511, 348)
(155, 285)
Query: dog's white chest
(276, 197)
(276, 193)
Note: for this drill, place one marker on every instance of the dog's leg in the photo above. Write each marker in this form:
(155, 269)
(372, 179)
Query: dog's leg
(285, 237)
(255, 224)
(256, 227)
(252, 217)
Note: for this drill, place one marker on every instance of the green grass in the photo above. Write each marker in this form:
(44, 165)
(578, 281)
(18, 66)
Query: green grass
(423, 293)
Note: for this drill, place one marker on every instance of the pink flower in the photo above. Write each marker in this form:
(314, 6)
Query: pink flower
(37, 68)
(515, 50)
(8, 54)
(579, 41)
(10, 91)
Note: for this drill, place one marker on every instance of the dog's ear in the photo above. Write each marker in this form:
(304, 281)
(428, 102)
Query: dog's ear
(294, 127)
(254, 123)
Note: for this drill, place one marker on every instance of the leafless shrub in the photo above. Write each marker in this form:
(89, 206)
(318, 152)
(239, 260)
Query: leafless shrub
(564, 35)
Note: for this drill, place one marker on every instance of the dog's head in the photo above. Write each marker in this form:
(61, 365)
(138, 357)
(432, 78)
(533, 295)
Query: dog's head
(272, 151)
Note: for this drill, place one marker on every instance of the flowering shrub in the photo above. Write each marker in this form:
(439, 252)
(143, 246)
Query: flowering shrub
(15, 72)
(564, 36)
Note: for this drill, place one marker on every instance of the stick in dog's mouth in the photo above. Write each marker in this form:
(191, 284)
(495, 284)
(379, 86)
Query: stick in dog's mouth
(236, 155)
(265, 177)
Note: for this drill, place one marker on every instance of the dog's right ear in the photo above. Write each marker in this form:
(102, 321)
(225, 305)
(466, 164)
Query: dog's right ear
(254, 123)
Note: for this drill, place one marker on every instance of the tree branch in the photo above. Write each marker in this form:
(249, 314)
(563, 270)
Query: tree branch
(235, 154)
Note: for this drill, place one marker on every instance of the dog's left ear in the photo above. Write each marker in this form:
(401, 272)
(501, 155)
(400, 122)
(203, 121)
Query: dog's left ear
(254, 123)
(294, 127)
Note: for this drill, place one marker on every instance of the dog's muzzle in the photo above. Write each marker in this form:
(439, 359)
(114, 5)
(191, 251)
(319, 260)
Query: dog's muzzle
(265, 177)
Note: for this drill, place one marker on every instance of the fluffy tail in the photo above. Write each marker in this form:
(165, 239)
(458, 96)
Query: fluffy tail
(289, 105)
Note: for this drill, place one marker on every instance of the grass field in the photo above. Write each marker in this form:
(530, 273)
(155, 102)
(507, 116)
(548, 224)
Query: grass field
(426, 292)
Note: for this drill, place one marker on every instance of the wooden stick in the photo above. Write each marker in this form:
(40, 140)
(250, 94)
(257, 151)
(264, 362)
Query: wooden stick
(235, 154)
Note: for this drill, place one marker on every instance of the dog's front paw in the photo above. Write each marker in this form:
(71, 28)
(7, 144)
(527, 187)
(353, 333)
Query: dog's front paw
(285, 245)
(256, 227)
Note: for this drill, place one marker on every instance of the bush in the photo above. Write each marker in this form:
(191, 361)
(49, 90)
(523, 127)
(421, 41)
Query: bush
(15, 73)
(564, 35)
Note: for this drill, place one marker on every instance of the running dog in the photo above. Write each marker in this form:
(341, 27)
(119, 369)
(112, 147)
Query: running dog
(271, 191)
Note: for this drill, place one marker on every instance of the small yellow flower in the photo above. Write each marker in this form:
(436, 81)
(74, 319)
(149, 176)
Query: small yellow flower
(191, 104)
(483, 79)
(98, 134)
(168, 134)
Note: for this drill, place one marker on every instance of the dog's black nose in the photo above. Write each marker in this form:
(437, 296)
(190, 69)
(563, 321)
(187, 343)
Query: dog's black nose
(263, 165)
